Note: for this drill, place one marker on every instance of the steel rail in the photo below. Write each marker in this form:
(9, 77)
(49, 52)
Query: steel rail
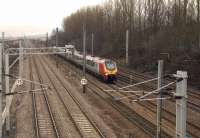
(171, 113)
(34, 103)
(47, 103)
(126, 112)
(74, 99)
(166, 112)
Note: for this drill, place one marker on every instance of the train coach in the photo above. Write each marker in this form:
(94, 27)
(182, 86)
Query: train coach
(104, 68)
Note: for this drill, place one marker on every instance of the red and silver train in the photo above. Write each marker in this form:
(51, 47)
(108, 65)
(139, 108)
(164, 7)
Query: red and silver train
(105, 68)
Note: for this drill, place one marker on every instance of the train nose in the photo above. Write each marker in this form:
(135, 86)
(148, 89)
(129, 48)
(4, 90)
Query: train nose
(111, 77)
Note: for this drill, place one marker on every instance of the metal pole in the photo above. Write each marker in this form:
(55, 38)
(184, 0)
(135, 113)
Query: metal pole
(3, 39)
(20, 59)
(199, 38)
(47, 39)
(127, 44)
(181, 109)
(56, 46)
(3, 58)
(7, 91)
(84, 49)
(84, 54)
(92, 44)
(131, 79)
(159, 101)
(56, 37)
(1, 90)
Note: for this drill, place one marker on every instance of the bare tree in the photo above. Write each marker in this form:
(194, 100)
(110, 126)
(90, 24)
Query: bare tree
(185, 11)
(155, 26)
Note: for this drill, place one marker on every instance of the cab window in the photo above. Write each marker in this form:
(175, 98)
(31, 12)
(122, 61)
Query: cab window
(110, 65)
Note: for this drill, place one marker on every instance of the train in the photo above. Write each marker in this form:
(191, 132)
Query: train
(104, 68)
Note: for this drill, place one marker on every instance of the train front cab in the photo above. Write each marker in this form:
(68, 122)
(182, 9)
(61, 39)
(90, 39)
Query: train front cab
(108, 71)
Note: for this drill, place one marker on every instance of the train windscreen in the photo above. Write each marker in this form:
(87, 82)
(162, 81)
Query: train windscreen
(110, 65)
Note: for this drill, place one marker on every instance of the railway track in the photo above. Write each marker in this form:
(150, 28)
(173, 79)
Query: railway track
(86, 127)
(193, 95)
(125, 111)
(44, 120)
(169, 116)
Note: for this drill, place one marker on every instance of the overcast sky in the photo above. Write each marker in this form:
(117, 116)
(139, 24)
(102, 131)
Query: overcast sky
(25, 17)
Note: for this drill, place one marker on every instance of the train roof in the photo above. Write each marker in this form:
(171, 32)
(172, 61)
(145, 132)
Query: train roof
(95, 59)
(70, 46)
(90, 57)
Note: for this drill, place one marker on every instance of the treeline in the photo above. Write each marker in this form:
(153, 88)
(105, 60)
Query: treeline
(168, 29)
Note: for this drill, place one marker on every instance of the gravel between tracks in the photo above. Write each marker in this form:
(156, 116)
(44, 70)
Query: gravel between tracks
(21, 110)
(110, 116)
